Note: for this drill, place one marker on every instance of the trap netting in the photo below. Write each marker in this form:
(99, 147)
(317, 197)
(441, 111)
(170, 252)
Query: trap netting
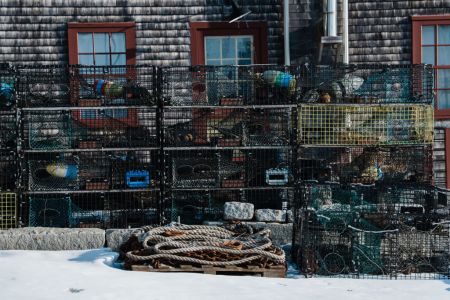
(365, 125)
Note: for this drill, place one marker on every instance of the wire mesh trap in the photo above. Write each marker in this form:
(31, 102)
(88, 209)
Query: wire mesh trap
(231, 168)
(52, 85)
(200, 206)
(90, 128)
(8, 130)
(113, 85)
(92, 170)
(45, 86)
(8, 87)
(8, 210)
(365, 125)
(373, 232)
(366, 165)
(367, 84)
(228, 127)
(93, 210)
(230, 85)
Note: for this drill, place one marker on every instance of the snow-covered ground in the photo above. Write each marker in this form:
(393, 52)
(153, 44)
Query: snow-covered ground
(91, 275)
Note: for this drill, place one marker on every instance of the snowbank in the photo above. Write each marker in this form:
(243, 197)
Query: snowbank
(91, 275)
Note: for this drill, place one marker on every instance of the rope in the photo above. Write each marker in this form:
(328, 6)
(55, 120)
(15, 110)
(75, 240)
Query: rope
(203, 245)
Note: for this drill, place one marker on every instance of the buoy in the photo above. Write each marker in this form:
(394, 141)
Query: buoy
(6, 94)
(49, 132)
(280, 79)
(108, 88)
(61, 170)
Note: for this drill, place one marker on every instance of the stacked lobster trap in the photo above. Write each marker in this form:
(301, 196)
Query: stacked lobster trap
(89, 146)
(367, 206)
(229, 135)
(8, 158)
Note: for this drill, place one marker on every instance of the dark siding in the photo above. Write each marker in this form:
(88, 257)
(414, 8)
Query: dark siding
(36, 30)
(380, 30)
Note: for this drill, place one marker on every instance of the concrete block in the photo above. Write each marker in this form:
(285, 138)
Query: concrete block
(238, 211)
(270, 215)
(116, 237)
(43, 238)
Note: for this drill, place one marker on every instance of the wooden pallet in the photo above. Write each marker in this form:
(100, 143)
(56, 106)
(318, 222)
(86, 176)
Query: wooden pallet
(274, 271)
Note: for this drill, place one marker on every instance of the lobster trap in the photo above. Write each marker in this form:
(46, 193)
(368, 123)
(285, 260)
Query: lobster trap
(230, 85)
(229, 168)
(92, 210)
(43, 86)
(207, 205)
(364, 231)
(366, 165)
(367, 84)
(92, 170)
(328, 125)
(8, 130)
(8, 87)
(228, 127)
(89, 128)
(8, 210)
(61, 86)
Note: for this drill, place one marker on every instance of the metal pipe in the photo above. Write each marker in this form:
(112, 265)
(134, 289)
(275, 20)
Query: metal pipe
(331, 18)
(287, 54)
(345, 30)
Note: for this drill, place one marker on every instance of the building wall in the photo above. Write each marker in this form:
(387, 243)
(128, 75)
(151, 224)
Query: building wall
(380, 30)
(35, 31)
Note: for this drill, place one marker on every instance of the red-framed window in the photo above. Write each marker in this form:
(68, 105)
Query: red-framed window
(223, 43)
(101, 44)
(431, 45)
(231, 42)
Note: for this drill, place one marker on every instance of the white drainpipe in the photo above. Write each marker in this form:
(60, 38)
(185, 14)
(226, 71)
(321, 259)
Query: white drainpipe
(332, 18)
(345, 30)
(287, 54)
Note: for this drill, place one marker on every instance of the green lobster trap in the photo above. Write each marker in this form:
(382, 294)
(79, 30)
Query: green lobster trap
(8, 210)
(49, 130)
(46, 211)
(365, 124)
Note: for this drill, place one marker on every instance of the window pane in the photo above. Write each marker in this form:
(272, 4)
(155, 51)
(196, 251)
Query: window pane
(101, 42)
(228, 62)
(443, 99)
(428, 56)
(88, 114)
(245, 62)
(213, 62)
(428, 35)
(244, 47)
(228, 47)
(444, 34)
(443, 79)
(85, 42)
(212, 48)
(102, 60)
(118, 42)
(443, 55)
(118, 59)
(86, 59)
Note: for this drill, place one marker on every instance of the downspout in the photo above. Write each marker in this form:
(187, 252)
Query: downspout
(345, 30)
(331, 18)
(287, 53)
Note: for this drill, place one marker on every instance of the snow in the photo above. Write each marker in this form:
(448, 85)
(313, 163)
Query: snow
(91, 275)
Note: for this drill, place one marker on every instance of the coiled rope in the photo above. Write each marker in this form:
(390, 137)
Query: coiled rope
(201, 245)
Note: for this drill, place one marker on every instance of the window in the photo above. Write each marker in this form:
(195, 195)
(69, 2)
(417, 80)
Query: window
(105, 47)
(222, 43)
(229, 50)
(431, 45)
(102, 44)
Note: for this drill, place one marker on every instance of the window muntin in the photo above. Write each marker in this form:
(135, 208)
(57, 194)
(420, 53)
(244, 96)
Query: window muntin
(229, 50)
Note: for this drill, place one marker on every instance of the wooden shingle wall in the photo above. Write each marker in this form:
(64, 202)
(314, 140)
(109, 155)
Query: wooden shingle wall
(380, 30)
(36, 30)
